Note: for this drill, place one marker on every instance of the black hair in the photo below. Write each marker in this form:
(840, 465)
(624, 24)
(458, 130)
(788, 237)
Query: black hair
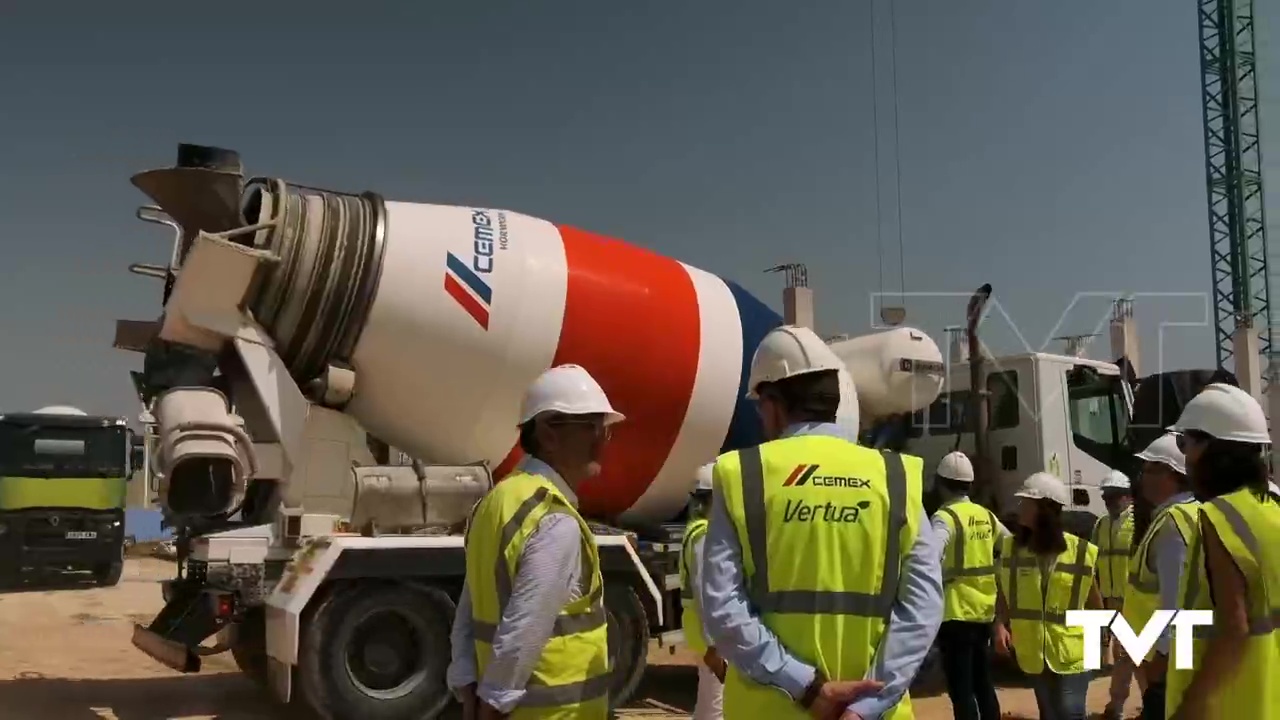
(954, 487)
(1226, 466)
(1048, 536)
(528, 439)
(810, 397)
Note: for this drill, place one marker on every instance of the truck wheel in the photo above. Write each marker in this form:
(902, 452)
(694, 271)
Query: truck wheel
(378, 652)
(109, 575)
(628, 640)
(250, 648)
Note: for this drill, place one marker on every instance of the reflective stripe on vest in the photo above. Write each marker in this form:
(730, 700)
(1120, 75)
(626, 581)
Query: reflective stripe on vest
(1041, 636)
(825, 526)
(1114, 541)
(690, 620)
(574, 681)
(968, 563)
(1239, 518)
(1142, 591)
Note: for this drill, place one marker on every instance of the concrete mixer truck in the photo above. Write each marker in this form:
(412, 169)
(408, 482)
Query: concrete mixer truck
(307, 333)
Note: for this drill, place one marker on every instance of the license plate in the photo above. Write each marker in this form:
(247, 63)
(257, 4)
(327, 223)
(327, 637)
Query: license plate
(81, 535)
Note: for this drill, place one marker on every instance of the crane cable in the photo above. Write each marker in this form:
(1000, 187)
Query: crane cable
(897, 152)
(875, 120)
(897, 155)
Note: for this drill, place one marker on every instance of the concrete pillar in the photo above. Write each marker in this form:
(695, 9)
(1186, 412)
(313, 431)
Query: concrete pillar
(797, 307)
(1124, 334)
(1246, 350)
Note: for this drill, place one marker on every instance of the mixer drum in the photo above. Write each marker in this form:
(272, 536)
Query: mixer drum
(446, 314)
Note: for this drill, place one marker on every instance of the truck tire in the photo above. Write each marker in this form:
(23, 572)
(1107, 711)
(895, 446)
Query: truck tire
(109, 575)
(377, 652)
(250, 648)
(628, 640)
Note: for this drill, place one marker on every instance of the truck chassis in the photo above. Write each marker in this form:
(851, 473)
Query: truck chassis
(350, 626)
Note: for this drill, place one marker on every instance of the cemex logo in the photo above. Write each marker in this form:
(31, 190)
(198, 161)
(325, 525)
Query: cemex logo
(463, 282)
(1137, 646)
(808, 475)
(468, 290)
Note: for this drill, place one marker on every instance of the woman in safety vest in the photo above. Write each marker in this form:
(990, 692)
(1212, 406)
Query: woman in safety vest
(1042, 573)
(1233, 567)
(711, 672)
(1156, 567)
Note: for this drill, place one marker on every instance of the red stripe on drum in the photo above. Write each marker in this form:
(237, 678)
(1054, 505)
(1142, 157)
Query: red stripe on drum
(632, 320)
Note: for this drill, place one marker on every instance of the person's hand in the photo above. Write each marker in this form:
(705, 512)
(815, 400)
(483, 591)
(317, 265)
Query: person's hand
(1001, 639)
(467, 696)
(834, 697)
(489, 712)
(716, 664)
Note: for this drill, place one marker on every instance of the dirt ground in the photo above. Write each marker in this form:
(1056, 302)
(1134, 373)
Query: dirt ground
(66, 655)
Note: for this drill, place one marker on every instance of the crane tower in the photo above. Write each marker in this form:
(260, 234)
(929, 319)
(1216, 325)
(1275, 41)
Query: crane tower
(1233, 172)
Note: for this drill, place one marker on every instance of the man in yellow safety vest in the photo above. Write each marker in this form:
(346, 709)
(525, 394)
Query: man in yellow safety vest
(821, 579)
(1233, 566)
(1044, 572)
(533, 574)
(1156, 566)
(1113, 534)
(969, 533)
(711, 672)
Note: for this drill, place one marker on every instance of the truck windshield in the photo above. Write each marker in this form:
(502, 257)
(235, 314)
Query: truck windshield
(52, 451)
(1098, 414)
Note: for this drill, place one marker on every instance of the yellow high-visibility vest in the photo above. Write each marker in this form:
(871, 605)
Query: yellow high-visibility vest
(690, 619)
(571, 679)
(1249, 527)
(1041, 638)
(968, 562)
(825, 526)
(1142, 596)
(1114, 538)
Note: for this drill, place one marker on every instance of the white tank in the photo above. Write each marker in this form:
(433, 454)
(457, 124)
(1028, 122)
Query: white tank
(60, 410)
(895, 371)
(446, 315)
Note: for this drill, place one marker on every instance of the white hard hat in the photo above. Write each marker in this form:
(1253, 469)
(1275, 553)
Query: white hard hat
(788, 351)
(1115, 480)
(1043, 486)
(703, 476)
(569, 390)
(956, 466)
(1164, 450)
(1226, 412)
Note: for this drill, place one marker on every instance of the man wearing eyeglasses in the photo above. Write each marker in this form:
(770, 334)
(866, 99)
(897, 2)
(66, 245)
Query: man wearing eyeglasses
(533, 575)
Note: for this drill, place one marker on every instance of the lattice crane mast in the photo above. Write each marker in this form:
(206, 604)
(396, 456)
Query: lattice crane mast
(1233, 173)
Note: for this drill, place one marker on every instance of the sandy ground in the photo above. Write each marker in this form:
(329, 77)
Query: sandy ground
(66, 656)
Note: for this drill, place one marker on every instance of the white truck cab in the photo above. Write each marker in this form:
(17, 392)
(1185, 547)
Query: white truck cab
(1053, 413)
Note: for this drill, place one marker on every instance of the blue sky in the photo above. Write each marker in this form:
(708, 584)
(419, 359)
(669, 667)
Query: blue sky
(1049, 148)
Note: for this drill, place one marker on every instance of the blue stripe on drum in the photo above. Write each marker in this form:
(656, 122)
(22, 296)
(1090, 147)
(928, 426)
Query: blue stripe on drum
(757, 320)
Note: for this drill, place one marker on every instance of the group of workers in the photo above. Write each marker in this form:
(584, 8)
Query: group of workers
(815, 584)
